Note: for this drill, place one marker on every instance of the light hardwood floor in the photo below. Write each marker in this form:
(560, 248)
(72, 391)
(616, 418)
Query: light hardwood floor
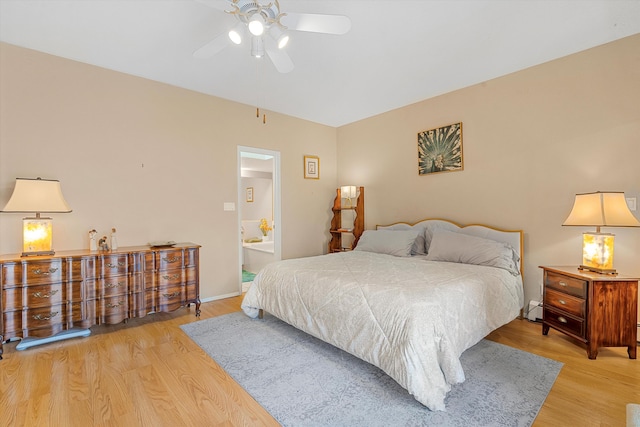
(149, 373)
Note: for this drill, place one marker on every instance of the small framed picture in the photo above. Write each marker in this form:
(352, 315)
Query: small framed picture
(311, 167)
(249, 192)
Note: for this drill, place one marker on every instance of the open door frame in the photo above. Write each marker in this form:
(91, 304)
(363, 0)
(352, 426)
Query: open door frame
(277, 207)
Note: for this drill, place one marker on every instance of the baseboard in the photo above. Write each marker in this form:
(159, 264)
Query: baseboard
(217, 297)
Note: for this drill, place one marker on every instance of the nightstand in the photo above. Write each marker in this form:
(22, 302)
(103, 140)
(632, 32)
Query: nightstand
(600, 310)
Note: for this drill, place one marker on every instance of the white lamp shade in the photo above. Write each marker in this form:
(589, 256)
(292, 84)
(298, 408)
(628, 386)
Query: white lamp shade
(348, 191)
(601, 209)
(37, 195)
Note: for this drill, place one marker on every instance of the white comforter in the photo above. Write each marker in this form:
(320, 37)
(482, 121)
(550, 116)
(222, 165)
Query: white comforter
(410, 317)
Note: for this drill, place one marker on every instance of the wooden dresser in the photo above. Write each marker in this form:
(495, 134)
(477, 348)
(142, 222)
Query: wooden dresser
(600, 310)
(46, 295)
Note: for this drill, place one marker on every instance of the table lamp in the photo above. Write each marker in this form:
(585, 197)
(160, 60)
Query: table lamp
(348, 192)
(600, 209)
(37, 196)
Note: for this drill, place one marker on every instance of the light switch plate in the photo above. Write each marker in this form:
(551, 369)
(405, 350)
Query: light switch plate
(632, 203)
(229, 206)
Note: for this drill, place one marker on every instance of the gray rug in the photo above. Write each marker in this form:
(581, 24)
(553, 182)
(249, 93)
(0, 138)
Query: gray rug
(303, 381)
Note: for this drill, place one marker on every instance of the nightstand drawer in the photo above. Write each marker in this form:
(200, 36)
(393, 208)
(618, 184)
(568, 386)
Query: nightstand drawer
(564, 322)
(565, 302)
(566, 284)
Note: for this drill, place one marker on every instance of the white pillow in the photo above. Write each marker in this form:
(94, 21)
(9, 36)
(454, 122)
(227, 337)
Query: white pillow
(391, 242)
(455, 247)
(419, 247)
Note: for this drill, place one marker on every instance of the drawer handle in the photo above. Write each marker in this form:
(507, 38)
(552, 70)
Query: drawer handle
(172, 277)
(45, 294)
(45, 272)
(45, 316)
(563, 302)
(562, 284)
(119, 264)
(109, 305)
(562, 319)
(172, 294)
(113, 285)
(171, 260)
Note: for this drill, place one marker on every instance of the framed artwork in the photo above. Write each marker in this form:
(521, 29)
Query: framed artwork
(311, 167)
(440, 150)
(249, 193)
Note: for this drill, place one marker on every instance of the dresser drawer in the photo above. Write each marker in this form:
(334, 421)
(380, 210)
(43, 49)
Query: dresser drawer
(566, 284)
(169, 278)
(43, 272)
(115, 304)
(113, 310)
(171, 297)
(113, 286)
(169, 260)
(565, 302)
(114, 265)
(37, 318)
(564, 322)
(44, 295)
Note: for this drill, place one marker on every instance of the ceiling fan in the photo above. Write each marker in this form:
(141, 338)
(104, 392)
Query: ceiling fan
(266, 26)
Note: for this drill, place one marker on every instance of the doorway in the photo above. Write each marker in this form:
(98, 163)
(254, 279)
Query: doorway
(259, 215)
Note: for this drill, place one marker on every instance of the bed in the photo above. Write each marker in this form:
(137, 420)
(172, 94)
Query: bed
(409, 299)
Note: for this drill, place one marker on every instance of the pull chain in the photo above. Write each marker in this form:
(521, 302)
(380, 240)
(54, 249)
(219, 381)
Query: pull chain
(259, 81)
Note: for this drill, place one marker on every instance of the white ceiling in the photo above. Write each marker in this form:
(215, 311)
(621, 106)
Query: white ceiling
(397, 52)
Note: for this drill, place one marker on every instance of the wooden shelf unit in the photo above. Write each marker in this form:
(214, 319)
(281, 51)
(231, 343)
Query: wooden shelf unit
(337, 229)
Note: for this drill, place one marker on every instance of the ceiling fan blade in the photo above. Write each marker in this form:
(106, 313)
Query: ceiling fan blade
(280, 59)
(213, 47)
(316, 23)
(215, 4)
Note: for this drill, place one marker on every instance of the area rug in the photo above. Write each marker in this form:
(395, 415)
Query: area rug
(303, 381)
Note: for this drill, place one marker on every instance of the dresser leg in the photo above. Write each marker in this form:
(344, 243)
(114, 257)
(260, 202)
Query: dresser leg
(592, 351)
(545, 329)
(1, 346)
(632, 350)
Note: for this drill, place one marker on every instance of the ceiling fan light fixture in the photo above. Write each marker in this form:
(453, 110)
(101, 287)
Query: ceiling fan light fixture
(235, 34)
(281, 37)
(256, 25)
(257, 47)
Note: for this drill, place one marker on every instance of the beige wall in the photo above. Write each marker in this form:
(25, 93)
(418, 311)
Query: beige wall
(531, 140)
(155, 161)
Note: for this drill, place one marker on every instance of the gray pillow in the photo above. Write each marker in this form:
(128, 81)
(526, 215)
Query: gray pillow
(456, 247)
(433, 227)
(419, 247)
(391, 242)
